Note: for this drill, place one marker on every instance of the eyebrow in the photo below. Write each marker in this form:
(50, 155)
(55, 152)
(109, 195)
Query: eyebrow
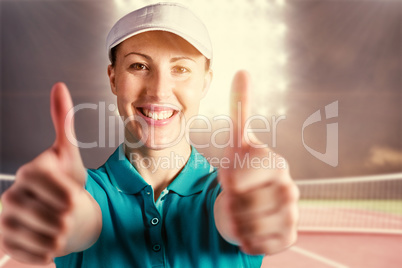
(181, 58)
(139, 54)
(149, 58)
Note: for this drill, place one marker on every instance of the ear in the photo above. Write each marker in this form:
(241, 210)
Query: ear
(207, 82)
(112, 80)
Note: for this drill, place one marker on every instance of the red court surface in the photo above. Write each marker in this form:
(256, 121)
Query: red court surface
(320, 250)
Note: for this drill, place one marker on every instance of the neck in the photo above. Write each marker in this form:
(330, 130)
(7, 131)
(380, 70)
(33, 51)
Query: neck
(159, 167)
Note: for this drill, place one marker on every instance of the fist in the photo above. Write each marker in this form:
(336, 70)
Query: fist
(257, 208)
(38, 208)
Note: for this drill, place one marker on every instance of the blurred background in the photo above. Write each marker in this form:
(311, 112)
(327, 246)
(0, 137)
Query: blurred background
(303, 55)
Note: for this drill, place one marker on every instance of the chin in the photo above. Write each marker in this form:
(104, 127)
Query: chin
(163, 142)
(156, 141)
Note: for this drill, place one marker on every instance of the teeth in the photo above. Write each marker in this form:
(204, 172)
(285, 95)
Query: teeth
(157, 115)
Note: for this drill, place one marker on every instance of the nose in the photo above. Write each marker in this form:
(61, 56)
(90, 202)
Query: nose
(160, 85)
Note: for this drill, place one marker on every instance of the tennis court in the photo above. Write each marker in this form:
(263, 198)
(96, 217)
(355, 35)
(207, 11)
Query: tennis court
(344, 222)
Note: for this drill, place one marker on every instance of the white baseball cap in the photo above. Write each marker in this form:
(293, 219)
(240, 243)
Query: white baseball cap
(170, 17)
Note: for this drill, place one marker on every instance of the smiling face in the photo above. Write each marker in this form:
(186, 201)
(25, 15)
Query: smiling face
(159, 80)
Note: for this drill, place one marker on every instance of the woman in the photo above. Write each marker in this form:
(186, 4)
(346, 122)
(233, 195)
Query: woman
(135, 211)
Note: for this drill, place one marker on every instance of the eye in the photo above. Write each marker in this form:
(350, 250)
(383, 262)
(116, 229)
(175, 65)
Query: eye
(180, 70)
(138, 66)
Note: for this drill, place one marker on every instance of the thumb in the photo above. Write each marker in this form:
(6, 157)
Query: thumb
(239, 112)
(65, 145)
(240, 105)
(61, 107)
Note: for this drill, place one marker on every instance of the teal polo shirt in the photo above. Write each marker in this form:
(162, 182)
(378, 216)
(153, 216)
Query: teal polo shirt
(178, 230)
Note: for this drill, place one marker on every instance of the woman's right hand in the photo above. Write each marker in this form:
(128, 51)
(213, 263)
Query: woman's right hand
(47, 212)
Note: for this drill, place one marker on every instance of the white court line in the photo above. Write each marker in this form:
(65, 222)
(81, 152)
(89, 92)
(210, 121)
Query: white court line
(381, 177)
(357, 179)
(350, 230)
(317, 257)
(7, 177)
(4, 260)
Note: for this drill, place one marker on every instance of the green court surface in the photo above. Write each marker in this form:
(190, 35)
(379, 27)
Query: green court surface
(393, 206)
(388, 206)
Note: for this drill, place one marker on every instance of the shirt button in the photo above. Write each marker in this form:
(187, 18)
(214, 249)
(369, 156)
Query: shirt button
(156, 247)
(154, 221)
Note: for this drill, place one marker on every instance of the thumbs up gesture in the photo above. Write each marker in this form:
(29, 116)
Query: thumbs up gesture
(257, 208)
(46, 212)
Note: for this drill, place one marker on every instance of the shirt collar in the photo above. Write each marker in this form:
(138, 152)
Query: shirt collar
(122, 174)
(126, 178)
(193, 177)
